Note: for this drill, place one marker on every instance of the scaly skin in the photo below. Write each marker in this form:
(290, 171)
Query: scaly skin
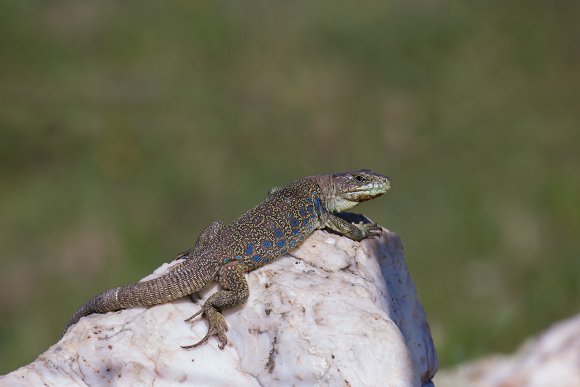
(225, 253)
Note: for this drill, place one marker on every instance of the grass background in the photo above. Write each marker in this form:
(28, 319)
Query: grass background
(125, 127)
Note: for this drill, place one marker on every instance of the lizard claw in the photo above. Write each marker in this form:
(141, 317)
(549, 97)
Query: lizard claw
(194, 316)
(370, 230)
(184, 254)
(217, 327)
(195, 297)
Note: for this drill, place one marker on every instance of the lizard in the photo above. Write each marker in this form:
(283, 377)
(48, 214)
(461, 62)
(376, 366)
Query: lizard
(225, 253)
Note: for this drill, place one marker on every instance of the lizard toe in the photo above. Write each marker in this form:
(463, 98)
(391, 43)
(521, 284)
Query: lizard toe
(217, 327)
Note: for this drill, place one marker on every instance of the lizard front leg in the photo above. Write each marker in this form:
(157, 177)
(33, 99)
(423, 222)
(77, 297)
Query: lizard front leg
(235, 291)
(356, 232)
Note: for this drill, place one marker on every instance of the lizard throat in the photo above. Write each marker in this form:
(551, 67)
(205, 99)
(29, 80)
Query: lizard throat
(341, 204)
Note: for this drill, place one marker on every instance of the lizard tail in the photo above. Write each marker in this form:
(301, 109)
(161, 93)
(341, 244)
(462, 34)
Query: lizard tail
(168, 287)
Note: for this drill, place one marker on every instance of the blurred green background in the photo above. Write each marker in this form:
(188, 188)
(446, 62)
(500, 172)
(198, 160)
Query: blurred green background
(125, 127)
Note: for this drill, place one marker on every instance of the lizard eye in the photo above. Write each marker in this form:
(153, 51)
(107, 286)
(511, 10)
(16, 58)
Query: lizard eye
(359, 178)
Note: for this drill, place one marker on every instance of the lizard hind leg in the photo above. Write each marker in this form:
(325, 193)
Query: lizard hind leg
(235, 291)
(203, 239)
(207, 235)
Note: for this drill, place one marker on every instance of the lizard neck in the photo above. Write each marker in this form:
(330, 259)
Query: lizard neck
(332, 201)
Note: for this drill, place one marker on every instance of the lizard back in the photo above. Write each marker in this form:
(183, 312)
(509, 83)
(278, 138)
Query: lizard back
(273, 227)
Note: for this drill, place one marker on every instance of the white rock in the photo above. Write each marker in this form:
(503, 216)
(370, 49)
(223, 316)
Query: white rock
(336, 312)
(552, 359)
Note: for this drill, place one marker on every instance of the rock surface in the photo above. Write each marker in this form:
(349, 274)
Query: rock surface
(551, 359)
(335, 312)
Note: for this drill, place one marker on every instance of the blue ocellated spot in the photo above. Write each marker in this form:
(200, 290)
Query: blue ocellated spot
(310, 209)
(226, 260)
(317, 203)
(250, 248)
(292, 243)
(294, 222)
(281, 243)
(295, 231)
(313, 216)
(256, 258)
(266, 244)
(309, 200)
(305, 221)
(238, 257)
(278, 233)
(302, 212)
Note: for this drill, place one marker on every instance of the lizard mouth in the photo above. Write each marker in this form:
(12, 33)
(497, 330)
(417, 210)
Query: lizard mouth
(368, 191)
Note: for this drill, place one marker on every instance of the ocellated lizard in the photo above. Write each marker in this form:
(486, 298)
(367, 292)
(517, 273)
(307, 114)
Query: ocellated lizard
(223, 253)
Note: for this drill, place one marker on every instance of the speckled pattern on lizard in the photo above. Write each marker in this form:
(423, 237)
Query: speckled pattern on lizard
(224, 253)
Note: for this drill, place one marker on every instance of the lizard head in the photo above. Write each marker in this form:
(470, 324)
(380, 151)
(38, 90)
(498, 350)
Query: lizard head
(347, 189)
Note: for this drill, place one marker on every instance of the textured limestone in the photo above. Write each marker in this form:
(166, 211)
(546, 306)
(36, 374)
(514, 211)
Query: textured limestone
(335, 312)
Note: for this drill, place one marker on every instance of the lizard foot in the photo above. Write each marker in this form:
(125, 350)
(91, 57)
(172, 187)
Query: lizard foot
(217, 327)
(370, 230)
(195, 297)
